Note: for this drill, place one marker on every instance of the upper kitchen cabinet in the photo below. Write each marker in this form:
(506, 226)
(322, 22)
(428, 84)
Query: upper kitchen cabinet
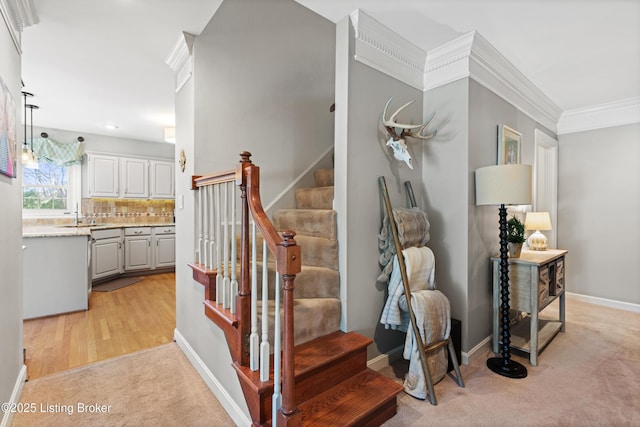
(102, 175)
(128, 177)
(161, 174)
(134, 178)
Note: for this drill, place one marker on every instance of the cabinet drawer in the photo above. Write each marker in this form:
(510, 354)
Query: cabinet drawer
(169, 229)
(106, 234)
(137, 231)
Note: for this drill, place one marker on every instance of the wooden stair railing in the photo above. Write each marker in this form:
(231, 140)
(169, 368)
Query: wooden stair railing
(236, 320)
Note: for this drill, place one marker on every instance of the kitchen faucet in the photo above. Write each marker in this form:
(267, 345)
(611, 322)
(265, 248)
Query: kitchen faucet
(75, 213)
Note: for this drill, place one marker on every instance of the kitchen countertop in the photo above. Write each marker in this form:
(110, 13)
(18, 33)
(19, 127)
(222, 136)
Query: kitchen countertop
(82, 230)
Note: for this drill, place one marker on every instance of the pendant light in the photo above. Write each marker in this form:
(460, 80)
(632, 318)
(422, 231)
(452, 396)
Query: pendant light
(33, 161)
(27, 153)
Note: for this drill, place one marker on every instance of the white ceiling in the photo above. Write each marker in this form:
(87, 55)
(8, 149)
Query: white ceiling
(90, 63)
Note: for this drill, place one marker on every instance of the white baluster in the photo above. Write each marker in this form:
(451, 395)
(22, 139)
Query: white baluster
(199, 250)
(264, 345)
(253, 338)
(205, 224)
(276, 400)
(226, 283)
(216, 243)
(234, 265)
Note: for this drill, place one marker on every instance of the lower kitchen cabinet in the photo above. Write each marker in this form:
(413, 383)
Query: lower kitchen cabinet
(137, 248)
(165, 247)
(106, 253)
(55, 275)
(132, 250)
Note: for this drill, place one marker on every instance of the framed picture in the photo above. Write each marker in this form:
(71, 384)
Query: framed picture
(509, 145)
(7, 132)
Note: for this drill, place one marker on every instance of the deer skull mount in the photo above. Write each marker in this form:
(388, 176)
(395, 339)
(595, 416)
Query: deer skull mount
(397, 140)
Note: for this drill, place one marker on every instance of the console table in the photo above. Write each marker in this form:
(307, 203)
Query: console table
(535, 280)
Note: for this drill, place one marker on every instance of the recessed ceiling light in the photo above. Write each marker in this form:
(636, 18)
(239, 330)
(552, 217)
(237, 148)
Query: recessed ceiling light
(111, 126)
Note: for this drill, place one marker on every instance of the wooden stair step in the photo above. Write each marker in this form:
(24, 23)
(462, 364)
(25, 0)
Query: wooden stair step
(365, 399)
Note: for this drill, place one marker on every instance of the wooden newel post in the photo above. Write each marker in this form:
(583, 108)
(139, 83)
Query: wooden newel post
(243, 299)
(289, 264)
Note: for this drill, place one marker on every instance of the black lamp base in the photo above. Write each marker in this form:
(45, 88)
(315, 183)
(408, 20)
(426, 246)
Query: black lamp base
(511, 369)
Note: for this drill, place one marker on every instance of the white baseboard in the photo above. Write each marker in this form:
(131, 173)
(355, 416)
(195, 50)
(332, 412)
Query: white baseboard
(7, 417)
(235, 412)
(621, 305)
(382, 361)
(476, 352)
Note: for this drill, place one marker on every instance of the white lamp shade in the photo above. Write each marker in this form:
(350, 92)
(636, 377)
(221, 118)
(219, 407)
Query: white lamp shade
(503, 185)
(537, 221)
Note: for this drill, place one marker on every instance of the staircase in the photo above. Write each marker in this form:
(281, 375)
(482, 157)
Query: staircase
(331, 383)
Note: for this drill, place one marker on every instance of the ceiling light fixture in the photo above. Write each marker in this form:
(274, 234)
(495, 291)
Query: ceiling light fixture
(111, 126)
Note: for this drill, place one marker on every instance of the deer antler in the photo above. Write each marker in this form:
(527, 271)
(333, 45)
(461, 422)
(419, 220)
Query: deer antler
(413, 131)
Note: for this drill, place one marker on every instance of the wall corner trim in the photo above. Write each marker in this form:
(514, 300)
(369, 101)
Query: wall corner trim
(471, 55)
(180, 58)
(618, 113)
(18, 14)
(386, 51)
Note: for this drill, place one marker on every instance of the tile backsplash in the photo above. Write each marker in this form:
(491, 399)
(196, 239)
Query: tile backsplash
(127, 211)
(115, 211)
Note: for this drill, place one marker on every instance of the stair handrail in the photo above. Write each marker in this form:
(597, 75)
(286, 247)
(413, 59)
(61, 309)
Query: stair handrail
(288, 265)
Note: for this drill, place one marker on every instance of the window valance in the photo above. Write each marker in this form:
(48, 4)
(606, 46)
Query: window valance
(58, 153)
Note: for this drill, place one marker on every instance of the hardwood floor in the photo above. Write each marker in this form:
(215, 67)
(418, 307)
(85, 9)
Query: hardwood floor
(123, 321)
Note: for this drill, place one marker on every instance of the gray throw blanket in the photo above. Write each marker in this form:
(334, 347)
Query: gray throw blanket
(413, 230)
(432, 311)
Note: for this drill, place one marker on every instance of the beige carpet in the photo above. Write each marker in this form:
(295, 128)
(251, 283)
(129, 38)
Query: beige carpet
(587, 376)
(154, 387)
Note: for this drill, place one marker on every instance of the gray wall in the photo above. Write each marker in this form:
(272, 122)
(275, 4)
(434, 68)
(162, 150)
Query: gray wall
(10, 238)
(598, 220)
(464, 236)
(263, 81)
(360, 158)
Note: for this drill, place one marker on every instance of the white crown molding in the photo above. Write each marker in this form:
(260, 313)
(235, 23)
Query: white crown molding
(471, 55)
(619, 113)
(180, 59)
(386, 51)
(18, 14)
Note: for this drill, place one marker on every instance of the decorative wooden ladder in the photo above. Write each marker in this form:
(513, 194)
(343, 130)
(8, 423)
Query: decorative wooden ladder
(321, 381)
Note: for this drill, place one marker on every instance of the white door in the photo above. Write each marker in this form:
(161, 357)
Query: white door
(545, 181)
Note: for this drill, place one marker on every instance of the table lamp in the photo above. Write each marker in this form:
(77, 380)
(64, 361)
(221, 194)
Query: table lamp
(537, 221)
(504, 185)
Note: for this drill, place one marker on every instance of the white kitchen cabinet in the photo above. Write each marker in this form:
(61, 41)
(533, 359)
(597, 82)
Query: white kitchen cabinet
(102, 175)
(137, 248)
(55, 275)
(164, 246)
(161, 180)
(106, 253)
(134, 178)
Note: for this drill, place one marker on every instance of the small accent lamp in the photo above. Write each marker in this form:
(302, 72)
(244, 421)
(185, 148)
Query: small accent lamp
(537, 221)
(504, 185)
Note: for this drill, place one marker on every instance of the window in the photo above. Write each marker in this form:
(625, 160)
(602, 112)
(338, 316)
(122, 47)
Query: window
(50, 190)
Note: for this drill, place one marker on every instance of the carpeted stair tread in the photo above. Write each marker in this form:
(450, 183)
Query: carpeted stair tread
(314, 198)
(323, 177)
(308, 222)
(367, 398)
(311, 282)
(318, 251)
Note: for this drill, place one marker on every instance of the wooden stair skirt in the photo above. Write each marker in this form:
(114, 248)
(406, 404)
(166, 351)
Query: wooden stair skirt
(333, 386)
